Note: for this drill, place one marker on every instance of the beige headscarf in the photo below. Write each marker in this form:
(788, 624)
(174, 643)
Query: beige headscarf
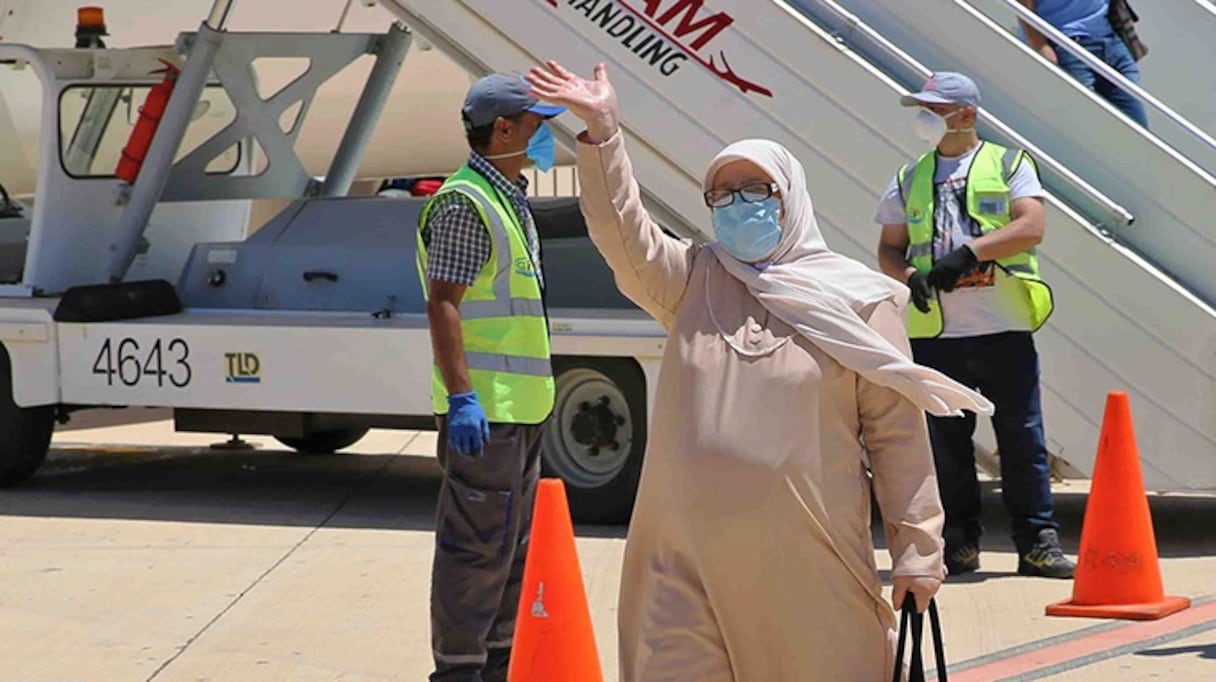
(819, 292)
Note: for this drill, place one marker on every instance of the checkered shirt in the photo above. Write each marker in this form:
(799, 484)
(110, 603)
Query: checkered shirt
(458, 242)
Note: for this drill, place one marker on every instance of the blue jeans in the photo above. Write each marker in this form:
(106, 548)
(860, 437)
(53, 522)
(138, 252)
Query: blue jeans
(1005, 368)
(1114, 52)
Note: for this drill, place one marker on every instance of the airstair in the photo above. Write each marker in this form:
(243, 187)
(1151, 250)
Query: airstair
(1129, 242)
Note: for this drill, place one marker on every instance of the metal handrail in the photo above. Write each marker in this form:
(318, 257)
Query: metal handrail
(1105, 70)
(855, 24)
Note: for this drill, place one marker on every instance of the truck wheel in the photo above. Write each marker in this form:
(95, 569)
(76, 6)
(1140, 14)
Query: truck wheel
(596, 438)
(25, 432)
(324, 441)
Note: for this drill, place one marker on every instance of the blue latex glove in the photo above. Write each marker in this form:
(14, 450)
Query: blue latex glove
(468, 428)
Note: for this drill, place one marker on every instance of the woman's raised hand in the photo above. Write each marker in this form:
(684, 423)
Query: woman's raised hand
(593, 101)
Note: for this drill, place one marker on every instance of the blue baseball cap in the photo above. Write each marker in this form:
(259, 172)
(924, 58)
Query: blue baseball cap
(500, 94)
(945, 87)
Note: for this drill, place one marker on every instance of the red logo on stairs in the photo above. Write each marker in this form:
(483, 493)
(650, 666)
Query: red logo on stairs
(667, 33)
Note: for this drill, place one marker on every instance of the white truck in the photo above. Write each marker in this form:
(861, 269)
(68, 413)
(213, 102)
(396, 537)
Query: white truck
(313, 328)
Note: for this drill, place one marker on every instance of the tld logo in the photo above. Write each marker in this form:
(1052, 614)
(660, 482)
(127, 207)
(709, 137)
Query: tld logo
(243, 368)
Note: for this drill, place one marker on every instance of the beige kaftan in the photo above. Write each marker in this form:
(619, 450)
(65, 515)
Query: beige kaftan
(749, 557)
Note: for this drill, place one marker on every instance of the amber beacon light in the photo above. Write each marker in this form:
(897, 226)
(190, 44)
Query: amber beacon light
(90, 27)
(91, 17)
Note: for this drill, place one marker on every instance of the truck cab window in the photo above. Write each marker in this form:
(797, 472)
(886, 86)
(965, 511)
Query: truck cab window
(95, 124)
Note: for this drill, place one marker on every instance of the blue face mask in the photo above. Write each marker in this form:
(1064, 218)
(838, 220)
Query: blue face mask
(749, 232)
(541, 148)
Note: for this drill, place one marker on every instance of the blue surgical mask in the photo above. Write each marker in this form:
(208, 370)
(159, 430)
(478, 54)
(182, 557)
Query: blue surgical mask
(541, 148)
(749, 232)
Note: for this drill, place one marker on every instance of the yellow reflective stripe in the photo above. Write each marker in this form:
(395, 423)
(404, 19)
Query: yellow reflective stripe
(921, 250)
(905, 183)
(510, 364)
(1009, 162)
(521, 307)
(498, 232)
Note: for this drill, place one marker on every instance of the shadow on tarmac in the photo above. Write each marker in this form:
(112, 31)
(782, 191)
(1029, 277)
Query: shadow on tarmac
(250, 487)
(1182, 525)
(398, 492)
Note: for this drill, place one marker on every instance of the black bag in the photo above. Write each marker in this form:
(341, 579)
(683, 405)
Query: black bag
(916, 667)
(1123, 19)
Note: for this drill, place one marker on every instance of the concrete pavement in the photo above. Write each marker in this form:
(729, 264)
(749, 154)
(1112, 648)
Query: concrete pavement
(141, 554)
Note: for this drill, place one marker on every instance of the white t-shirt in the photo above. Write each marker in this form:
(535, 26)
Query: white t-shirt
(983, 302)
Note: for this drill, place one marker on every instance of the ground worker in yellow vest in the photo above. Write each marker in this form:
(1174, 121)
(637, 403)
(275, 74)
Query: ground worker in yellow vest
(479, 260)
(960, 227)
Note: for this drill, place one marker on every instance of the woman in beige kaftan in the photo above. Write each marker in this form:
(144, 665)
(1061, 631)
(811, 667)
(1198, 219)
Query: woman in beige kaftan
(749, 557)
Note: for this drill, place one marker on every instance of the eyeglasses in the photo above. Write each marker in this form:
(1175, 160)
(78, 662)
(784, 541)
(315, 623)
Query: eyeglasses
(752, 194)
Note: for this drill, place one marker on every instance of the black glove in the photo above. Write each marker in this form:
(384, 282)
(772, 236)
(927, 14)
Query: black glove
(921, 291)
(949, 270)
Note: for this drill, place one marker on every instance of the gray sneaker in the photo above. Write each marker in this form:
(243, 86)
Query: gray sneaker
(1046, 559)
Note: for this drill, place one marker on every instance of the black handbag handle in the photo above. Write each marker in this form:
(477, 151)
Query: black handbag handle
(914, 623)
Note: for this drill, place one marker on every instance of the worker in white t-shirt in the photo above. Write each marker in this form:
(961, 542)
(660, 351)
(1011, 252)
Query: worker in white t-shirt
(960, 226)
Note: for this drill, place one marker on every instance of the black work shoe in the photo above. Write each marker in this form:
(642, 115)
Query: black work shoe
(963, 559)
(1046, 558)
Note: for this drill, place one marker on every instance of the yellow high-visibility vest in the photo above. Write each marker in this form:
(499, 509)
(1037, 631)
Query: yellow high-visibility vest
(506, 334)
(988, 203)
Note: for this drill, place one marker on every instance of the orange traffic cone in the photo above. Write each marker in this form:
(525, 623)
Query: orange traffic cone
(554, 641)
(1117, 571)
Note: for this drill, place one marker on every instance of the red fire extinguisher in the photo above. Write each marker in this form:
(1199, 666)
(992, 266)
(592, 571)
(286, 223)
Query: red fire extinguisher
(149, 118)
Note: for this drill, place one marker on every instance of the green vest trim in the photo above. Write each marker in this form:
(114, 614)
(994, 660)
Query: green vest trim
(503, 320)
(988, 203)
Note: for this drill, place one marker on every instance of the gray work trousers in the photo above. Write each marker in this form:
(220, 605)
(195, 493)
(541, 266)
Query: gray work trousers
(482, 525)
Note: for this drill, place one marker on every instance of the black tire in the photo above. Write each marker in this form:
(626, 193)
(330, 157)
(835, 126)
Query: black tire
(578, 446)
(323, 442)
(25, 432)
